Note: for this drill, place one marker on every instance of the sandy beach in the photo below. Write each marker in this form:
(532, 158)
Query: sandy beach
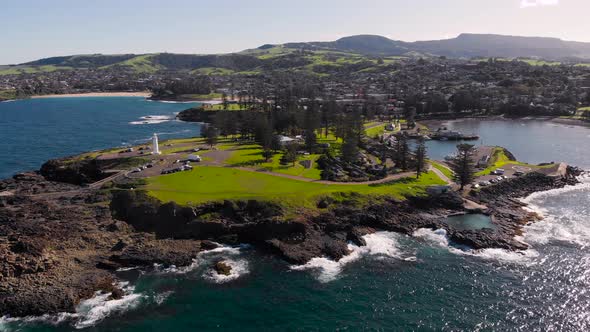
(97, 94)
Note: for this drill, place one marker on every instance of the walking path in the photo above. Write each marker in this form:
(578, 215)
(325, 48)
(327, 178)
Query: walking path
(304, 179)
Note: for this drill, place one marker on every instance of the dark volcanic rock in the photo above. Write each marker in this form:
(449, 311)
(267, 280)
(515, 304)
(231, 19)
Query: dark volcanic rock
(222, 268)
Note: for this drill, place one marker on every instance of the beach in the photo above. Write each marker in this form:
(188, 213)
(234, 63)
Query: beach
(97, 94)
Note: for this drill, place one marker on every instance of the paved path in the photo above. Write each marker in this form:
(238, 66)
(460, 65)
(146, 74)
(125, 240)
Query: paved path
(442, 176)
(91, 186)
(304, 179)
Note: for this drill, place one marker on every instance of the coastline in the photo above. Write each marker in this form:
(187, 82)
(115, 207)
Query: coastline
(144, 94)
(431, 123)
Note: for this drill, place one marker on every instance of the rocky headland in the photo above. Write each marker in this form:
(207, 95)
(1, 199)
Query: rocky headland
(62, 240)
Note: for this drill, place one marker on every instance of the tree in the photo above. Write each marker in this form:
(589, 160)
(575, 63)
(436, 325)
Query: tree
(420, 155)
(463, 165)
(401, 152)
(224, 100)
(350, 149)
(290, 155)
(275, 143)
(211, 134)
(267, 154)
(310, 140)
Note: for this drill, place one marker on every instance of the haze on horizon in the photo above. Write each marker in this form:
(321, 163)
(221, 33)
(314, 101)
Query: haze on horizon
(38, 29)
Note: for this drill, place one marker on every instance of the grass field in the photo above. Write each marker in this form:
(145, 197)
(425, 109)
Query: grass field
(17, 70)
(498, 160)
(204, 184)
(219, 107)
(250, 155)
(139, 64)
(445, 170)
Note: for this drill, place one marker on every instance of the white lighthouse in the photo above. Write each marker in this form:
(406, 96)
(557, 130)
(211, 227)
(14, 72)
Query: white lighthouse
(155, 147)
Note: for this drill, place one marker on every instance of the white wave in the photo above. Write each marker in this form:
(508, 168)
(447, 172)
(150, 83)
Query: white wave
(205, 259)
(239, 267)
(566, 215)
(10, 323)
(439, 238)
(99, 307)
(124, 269)
(152, 119)
(88, 312)
(173, 102)
(380, 245)
(161, 297)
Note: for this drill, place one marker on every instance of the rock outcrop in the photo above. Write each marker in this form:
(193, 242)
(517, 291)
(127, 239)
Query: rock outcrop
(59, 249)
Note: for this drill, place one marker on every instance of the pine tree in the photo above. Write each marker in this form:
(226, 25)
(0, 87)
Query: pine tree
(420, 155)
(290, 155)
(401, 153)
(350, 149)
(211, 135)
(463, 165)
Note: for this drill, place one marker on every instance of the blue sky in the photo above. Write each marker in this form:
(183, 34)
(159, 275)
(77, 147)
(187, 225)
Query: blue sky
(35, 29)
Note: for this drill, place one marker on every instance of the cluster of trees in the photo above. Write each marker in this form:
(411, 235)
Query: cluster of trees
(407, 159)
(192, 85)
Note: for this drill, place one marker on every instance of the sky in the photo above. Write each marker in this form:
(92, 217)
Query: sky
(34, 29)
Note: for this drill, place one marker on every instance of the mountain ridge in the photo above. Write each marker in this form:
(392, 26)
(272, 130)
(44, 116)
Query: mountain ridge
(288, 55)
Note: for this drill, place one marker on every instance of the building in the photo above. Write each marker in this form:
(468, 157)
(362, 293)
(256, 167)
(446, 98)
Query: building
(155, 146)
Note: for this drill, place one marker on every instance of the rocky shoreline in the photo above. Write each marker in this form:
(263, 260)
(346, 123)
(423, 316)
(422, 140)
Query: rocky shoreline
(63, 242)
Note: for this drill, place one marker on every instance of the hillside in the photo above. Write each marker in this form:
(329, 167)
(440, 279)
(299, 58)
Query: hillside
(348, 54)
(465, 45)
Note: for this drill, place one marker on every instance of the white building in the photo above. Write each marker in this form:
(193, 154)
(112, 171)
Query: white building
(155, 147)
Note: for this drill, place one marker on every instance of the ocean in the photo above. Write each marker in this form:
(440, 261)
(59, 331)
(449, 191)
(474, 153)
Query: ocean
(395, 283)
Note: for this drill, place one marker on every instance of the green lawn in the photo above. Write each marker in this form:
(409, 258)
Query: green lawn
(210, 96)
(445, 170)
(204, 184)
(375, 128)
(498, 160)
(250, 155)
(219, 107)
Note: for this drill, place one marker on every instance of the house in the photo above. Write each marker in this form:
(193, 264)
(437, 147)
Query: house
(285, 140)
(483, 162)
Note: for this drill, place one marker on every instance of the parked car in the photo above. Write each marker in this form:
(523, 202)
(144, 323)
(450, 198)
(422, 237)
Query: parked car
(498, 171)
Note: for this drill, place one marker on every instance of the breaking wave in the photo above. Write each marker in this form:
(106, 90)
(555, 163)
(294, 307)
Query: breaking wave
(379, 245)
(204, 261)
(152, 119)
(88, 313)
(439, 238)
(566, 215)
(239, 267)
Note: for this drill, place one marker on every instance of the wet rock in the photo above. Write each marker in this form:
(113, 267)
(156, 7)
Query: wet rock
(208, 245)
(222, 268)
(116, 294)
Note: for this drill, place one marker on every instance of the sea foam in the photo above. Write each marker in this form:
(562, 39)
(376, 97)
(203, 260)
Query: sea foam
(566, 215)
(152, 119)
(88, 313)
(439, 238)
(380, 245)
